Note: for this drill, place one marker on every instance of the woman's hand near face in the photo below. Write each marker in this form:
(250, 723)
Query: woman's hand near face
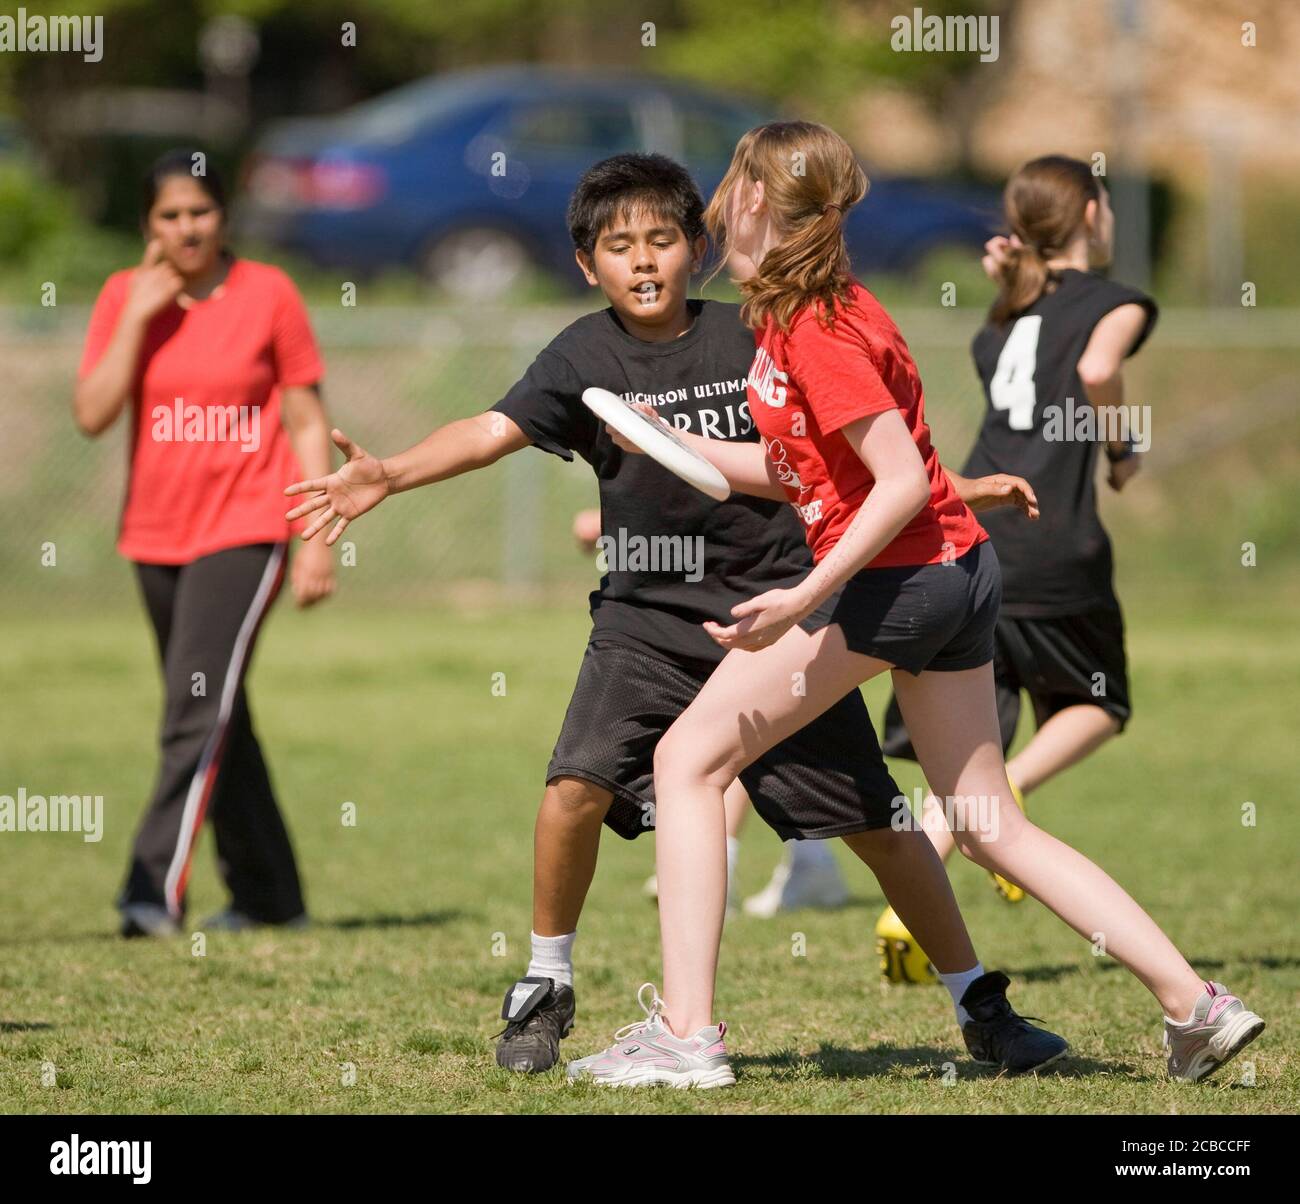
(106, 388)
(155, 284)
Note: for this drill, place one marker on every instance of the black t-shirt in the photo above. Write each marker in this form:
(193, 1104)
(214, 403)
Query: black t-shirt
(1060, 564)
(676, 557)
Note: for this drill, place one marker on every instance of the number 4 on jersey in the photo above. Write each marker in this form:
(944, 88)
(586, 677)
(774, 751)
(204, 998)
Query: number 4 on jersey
(1012, 386)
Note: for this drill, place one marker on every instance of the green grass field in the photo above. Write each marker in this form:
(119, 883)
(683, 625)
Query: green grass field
(402, 975)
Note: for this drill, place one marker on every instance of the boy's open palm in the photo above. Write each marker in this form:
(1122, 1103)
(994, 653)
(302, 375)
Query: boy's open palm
(360, 485)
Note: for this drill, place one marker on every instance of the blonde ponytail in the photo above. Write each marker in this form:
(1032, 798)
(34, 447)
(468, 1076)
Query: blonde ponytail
(811, 178)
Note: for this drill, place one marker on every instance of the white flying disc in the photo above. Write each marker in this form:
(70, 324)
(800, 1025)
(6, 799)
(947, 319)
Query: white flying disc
(658, 441)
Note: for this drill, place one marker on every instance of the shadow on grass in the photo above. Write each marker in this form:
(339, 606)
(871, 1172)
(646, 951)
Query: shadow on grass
(838, 1062)
(424, 919)
(1040, 973)
(1261, 961)
(23, 1026)
(1207, 965)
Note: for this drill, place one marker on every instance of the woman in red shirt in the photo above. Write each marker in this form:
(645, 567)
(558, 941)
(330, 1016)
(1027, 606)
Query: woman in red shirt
(837, 399)
(215, 358)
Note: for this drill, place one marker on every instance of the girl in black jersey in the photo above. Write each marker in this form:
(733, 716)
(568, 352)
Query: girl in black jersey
(1050, 359)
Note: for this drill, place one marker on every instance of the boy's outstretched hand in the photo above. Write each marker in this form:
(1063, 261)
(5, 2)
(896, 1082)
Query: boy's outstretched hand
(360, 485)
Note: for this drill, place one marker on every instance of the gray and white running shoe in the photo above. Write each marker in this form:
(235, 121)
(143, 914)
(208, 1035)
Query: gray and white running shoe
(1220, 1028)
(647, 1053)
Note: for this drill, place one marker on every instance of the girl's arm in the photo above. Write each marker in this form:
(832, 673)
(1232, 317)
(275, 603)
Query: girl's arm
(364, 481)
(749, 469)
(103, 392)
(901, 488)
(302, 415)
(1100, 368)
(1111, 340)
(745, 465)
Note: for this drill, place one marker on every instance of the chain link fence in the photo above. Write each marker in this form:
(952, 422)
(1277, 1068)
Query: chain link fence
(1225, 449)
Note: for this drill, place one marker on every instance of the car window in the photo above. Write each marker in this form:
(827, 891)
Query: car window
(593, 128)
(396, 116)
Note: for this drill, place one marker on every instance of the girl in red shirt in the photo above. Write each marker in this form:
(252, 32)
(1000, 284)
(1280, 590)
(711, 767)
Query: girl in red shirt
(215, 359)
(835, 394)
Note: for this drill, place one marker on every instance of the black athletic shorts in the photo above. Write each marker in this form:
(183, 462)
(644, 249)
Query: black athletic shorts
(1060, 662)
(923, 618)
(828, 779)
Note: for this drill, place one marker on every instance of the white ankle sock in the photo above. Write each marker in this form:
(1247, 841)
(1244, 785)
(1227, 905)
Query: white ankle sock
(552, 958)
(957, 984)
(810, 854)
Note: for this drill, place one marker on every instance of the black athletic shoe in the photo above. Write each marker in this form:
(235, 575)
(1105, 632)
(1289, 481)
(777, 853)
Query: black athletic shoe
(539, 1014)
(996, 1036)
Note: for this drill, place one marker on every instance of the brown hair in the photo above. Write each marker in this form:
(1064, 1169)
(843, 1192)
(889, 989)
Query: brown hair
(1044, 203)
(811, 178)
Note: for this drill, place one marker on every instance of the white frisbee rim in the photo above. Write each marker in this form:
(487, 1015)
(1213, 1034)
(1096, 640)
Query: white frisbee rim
(658, 442)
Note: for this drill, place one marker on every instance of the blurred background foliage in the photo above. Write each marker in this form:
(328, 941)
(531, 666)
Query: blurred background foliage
(69, 180)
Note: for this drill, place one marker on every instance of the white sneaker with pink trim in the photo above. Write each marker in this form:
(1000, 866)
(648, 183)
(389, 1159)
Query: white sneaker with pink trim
(647, 1053)
(1221, 1026)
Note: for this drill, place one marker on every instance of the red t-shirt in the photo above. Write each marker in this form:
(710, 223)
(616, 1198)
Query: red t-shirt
(209, 459)
(805, 384)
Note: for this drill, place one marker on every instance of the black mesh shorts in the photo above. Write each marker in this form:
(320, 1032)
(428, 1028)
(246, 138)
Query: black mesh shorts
(828, 779)
(1060, 662)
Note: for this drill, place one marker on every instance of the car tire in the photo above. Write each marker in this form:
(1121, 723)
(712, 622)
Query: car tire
(476, 263)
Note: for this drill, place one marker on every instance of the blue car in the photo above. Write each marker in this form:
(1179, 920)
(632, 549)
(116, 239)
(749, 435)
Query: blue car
(466, 176)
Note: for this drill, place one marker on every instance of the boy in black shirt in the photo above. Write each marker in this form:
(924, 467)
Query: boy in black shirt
(676, 559)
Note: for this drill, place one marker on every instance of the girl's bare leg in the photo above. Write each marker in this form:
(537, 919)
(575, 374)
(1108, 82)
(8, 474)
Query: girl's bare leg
(1064, 740)
(751, 702)
(953, 724)
(736, 802)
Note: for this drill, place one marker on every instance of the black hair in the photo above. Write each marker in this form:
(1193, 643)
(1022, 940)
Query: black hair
(181, 162)
(630, 182)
